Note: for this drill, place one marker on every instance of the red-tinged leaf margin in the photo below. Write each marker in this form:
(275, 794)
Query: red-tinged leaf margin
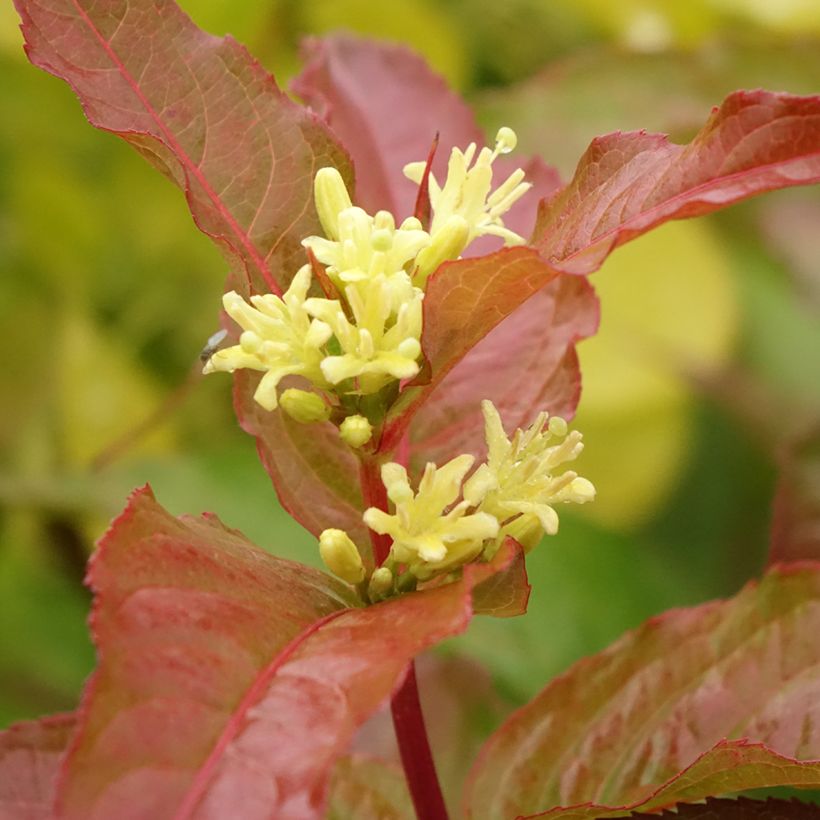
(731, 766)
(741, 808)
(174, 597)
(145, 72)
(465, 300)
(627, 183)
(291, 671)
(620, 725)
(30, 755)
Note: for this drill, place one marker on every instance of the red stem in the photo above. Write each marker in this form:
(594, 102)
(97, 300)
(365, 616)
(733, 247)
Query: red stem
(414, 747)
(408, 720)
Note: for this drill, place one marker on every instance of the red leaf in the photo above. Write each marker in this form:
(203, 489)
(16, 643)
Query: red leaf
(30, 755)
(200, 109)
(229, 677)
(315, 473)
(642, 724)
(796, 515)
(740, 809)
(464, 301)
(386, 106)
(526, 364)
(628, 183)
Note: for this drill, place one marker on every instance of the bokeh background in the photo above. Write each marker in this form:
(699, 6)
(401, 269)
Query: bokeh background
(706, 366)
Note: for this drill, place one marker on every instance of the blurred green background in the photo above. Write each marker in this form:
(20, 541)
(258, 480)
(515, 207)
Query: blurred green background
(707, 361)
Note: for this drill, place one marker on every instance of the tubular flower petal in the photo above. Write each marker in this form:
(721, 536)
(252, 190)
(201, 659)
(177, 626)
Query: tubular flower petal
(382, 341)
(280, 338)
(467, 192)
(519, 480)
(431, 533)
(359, 246)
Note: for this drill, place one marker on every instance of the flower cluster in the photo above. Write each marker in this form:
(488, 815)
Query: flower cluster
(367, 334)
(449, 521)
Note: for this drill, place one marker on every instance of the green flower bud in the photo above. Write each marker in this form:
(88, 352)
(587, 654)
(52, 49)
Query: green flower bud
(341, 556)
(304, 406)
(356, 431)
(381, 584)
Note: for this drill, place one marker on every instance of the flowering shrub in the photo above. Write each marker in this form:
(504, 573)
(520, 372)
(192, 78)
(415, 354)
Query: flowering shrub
(371, 329)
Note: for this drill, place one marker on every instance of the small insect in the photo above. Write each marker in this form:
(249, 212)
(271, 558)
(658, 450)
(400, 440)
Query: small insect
(212, 345)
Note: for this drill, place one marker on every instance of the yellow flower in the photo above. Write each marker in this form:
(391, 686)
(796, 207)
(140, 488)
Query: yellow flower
(518, 483)
(358, 246)
(431, 533)
(464, 206)
(382, 341)
(280, 338)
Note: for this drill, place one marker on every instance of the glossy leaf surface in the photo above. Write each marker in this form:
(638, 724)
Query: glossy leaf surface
(30, 755)
(202, 111)
(292, 672)
(627, 183)
(642, 723)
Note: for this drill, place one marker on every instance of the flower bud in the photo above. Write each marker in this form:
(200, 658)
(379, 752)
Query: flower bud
(331, 197)
(304, 406)
(526, 529)
(381, 584)
(341, 556)
(448, 242)
(356, 431)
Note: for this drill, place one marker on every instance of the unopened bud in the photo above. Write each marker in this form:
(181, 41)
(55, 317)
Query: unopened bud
(331, 196)
(526, 529)
(341, 556)
(356, 431)
(381, 584)
(448, 242)
(304, 406)
(557, 426)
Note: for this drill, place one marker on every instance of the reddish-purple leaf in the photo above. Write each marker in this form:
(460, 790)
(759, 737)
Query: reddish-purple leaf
(741, 808)
(386, 105)
(200, 109)
(30, 755)
(795, 532)
(226, 674)
(626, 184)
(526, 364)
(315, 473)
(465, 300)
(618, 730)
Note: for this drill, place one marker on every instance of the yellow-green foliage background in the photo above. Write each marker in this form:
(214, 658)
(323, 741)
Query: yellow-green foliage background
(709, 351)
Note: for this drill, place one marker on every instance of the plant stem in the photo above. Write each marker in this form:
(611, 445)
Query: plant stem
(414, 747)
(408, 720)
(375, 495)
